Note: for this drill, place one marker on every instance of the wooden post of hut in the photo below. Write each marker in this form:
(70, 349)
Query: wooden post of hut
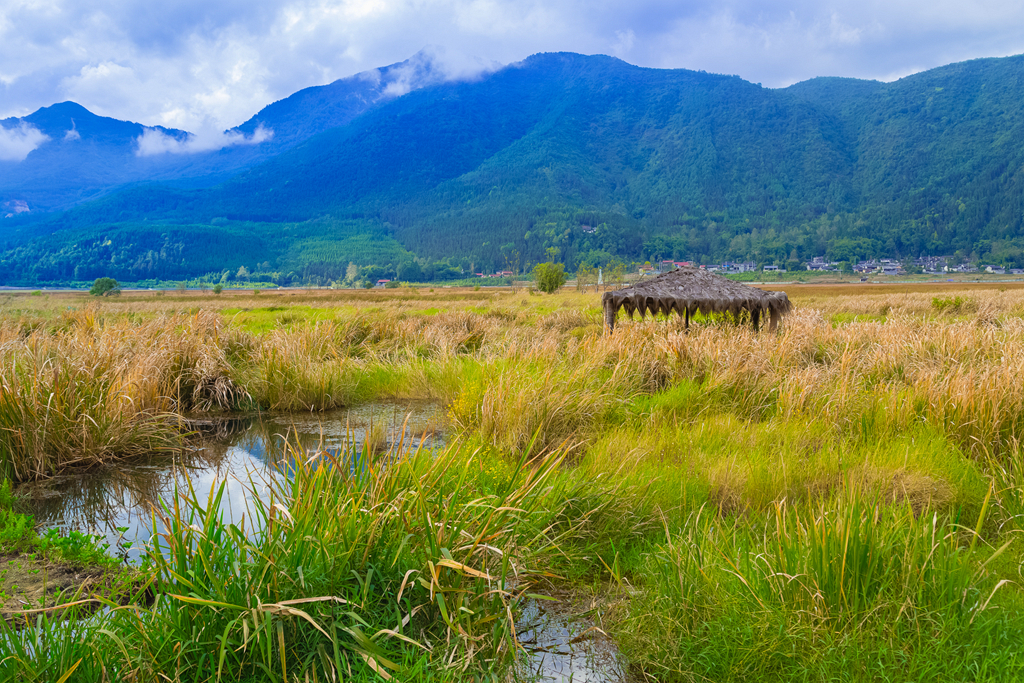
(609, 313)
(689, 290)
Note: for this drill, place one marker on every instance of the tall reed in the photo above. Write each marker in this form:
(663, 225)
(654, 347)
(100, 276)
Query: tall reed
(829, 586)
(354, 564)
(92, 390)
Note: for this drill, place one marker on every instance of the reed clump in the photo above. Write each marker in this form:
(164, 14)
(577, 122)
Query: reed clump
(810, 591)
(91, 389)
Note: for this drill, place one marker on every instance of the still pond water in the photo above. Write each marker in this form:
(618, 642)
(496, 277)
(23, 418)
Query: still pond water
(246, 453)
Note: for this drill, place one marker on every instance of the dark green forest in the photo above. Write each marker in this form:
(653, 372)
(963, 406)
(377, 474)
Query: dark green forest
(598, 159)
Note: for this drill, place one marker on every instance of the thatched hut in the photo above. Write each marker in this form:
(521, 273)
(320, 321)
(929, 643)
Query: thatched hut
(688, 290)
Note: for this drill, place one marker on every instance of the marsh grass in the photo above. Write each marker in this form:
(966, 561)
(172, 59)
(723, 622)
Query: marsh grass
(842, 589)
(17, 530)
(91, 390)
(355, 565)
(55, 416)
(840, 500)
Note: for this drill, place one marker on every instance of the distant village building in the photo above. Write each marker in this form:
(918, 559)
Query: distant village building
(819, 264)
(933, 264)
(864, 267)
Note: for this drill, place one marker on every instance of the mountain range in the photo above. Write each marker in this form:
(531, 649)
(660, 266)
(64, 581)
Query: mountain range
(588, 156)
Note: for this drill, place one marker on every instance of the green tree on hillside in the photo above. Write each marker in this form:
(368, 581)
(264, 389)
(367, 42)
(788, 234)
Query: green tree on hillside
(105, 286)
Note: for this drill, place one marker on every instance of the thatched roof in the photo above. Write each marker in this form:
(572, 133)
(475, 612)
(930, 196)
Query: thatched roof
(689, 290)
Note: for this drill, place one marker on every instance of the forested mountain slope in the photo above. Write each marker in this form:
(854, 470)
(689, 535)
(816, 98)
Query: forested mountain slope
(81, 156)
(84, 156)
(602, 159)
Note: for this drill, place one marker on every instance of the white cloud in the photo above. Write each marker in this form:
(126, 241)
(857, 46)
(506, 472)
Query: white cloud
(15, 207)
(154, 141)
(623, 44)
(191, 64)
(430, 66)
(843, 34)
(782, 43)
(17, 142)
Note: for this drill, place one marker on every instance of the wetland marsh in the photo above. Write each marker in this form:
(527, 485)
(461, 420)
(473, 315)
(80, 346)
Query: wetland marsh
(841, 500)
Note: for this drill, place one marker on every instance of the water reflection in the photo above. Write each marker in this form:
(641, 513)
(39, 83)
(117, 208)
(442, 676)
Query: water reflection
(244, 453)
(563, 646)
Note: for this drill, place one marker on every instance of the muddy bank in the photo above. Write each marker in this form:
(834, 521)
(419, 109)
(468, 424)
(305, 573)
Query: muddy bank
(30, 583)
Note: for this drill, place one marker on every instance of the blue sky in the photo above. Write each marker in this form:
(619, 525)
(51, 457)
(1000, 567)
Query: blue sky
(207, 65)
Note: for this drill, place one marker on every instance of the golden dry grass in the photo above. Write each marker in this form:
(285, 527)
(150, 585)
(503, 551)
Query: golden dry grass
(512, 364)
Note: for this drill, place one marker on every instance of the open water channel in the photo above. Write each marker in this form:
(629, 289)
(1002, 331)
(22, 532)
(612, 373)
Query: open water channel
(117, 503)
(244, 452)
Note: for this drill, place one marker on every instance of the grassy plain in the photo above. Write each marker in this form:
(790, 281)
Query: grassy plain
(842, 500)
